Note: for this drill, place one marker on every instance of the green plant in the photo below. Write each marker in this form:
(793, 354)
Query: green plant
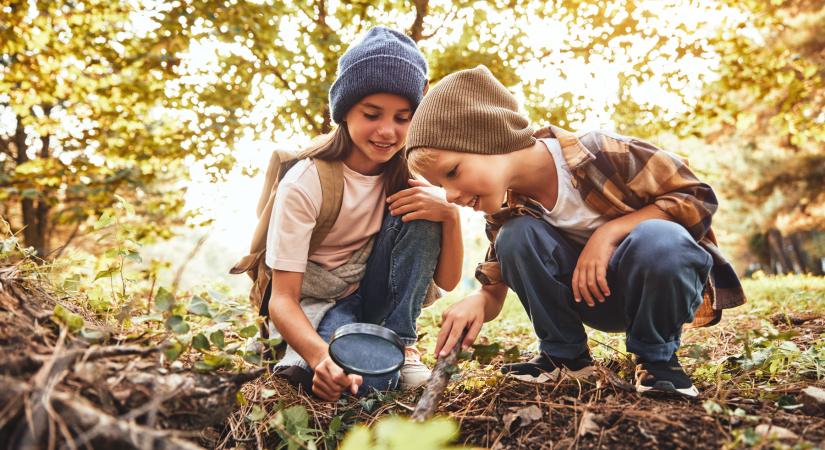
(398, 433)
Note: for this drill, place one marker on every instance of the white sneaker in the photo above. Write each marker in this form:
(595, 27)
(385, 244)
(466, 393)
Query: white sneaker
(413, 373)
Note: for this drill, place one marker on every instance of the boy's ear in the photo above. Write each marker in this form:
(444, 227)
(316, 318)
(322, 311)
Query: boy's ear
(426, 87)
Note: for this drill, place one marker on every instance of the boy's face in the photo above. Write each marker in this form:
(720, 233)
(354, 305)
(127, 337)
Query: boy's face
(472, 180)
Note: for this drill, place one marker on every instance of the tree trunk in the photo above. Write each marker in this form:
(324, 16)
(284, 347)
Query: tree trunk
(35, 211)
(801, 255)
(780, 262)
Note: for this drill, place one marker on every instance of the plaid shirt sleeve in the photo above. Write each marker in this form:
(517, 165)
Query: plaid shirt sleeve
(667, 180)
(658, 177)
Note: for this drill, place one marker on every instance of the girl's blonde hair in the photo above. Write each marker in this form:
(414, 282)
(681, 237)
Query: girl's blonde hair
(337, 145)
(420, 158)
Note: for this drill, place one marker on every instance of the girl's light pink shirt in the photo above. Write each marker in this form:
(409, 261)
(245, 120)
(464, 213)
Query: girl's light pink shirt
(296, 209)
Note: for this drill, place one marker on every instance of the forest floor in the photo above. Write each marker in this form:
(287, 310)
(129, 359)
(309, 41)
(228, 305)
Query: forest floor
(178, 371)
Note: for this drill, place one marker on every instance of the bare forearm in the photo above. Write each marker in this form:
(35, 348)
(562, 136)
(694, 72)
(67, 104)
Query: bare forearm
(618, 228)
(448, 269)
(296, 329)
(492, 297)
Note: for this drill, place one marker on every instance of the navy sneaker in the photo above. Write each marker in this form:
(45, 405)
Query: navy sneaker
(545, 367)
(664, 377)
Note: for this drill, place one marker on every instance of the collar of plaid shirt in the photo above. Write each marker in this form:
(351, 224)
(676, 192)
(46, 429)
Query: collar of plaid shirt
(617, 175)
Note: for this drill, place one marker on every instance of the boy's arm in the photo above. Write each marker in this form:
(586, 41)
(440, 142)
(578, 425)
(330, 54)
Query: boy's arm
(469, 314)
(589, 281)
(663, 179)
(329, 380)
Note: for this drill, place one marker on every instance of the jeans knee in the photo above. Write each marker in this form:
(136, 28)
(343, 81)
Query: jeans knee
(516, 237)
(664, 246)
(424, 230)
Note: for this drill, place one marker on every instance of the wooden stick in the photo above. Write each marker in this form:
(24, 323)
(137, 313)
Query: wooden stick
(444, 368)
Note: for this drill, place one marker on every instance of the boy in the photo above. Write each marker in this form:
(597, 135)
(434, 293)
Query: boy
(596, 229)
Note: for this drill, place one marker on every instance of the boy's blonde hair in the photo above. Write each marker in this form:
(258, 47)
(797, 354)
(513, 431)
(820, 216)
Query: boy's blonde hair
(420, 158)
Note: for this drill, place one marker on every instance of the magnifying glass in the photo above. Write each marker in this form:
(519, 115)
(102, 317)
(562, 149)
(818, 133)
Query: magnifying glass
(366, 349)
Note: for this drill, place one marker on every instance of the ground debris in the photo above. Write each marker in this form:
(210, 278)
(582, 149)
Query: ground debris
(60, 390)
(521, 417)
(773, 431)
(813, 401)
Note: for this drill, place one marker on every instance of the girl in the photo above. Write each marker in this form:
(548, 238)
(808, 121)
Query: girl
(392, 235)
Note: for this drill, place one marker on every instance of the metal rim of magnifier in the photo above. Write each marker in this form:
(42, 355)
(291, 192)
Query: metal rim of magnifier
(373, 331)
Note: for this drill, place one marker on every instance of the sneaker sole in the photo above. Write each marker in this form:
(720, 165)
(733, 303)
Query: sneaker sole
(548, 376)
(666, 387)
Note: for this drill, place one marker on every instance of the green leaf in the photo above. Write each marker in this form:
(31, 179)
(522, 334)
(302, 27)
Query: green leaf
(130, 210)
(400, 433)
(155, 317)
(177, 324)
(358, 438)
(484, 354)
(200, 342)
(104, 220)
(72, 321)
(212, 361)
(217, 338)
(112, 270)
(133, 256)
(257, 414)
(198, 307)
(164, 300)
(252, 358)
(266, 393)
(296, 416)
(173, 349)
(248, 331)
(92, 336)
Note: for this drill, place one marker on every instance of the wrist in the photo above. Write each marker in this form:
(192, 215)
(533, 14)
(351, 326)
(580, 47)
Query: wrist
(317, 357)
(452, 215)
(609, 232)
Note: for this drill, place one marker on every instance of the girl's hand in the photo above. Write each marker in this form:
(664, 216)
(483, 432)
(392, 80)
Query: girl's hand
(590, 277)
(467, 314)
(330, 380)
(422, 201)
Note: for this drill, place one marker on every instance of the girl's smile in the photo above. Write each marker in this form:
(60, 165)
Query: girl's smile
(378, 127)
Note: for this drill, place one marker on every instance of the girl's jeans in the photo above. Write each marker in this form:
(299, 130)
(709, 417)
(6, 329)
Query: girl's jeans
(398, 272)
(656, 277)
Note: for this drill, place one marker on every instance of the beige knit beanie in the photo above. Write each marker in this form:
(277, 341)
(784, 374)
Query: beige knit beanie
(470, 111)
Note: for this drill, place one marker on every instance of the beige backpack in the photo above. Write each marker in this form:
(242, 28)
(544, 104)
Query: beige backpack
(332, 191)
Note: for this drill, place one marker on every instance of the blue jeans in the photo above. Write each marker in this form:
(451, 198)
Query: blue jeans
(398, 272)
(656, 278)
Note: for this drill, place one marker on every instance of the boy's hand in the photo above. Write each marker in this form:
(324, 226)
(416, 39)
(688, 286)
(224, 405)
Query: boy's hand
(421, 201)
(330, 381)
(590, 276)
(467, 314)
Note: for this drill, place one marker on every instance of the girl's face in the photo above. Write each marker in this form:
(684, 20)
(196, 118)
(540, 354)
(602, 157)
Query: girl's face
(378, 127)
(472, 180)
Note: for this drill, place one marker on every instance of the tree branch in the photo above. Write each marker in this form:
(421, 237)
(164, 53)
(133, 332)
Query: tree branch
(417, 27)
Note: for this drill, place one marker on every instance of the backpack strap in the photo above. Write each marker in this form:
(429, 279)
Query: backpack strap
(331, 174)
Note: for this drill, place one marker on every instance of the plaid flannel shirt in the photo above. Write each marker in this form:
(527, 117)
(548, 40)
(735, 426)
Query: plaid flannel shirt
(617, 175)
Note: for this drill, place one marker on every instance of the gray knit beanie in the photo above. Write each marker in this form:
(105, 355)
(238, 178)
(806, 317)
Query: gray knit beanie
(470, 111)
(383, 61)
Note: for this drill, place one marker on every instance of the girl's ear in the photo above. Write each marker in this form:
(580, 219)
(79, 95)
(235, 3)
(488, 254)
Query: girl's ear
(426, 87)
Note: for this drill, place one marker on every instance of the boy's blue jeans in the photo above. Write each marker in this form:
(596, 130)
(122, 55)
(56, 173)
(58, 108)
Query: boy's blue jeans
(398, 272)
(656, 277)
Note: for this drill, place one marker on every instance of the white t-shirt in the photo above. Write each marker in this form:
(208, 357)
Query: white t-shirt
(296, 209)
(571, 215)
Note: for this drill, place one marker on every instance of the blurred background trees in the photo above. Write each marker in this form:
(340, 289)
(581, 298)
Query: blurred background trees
(100, 99)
